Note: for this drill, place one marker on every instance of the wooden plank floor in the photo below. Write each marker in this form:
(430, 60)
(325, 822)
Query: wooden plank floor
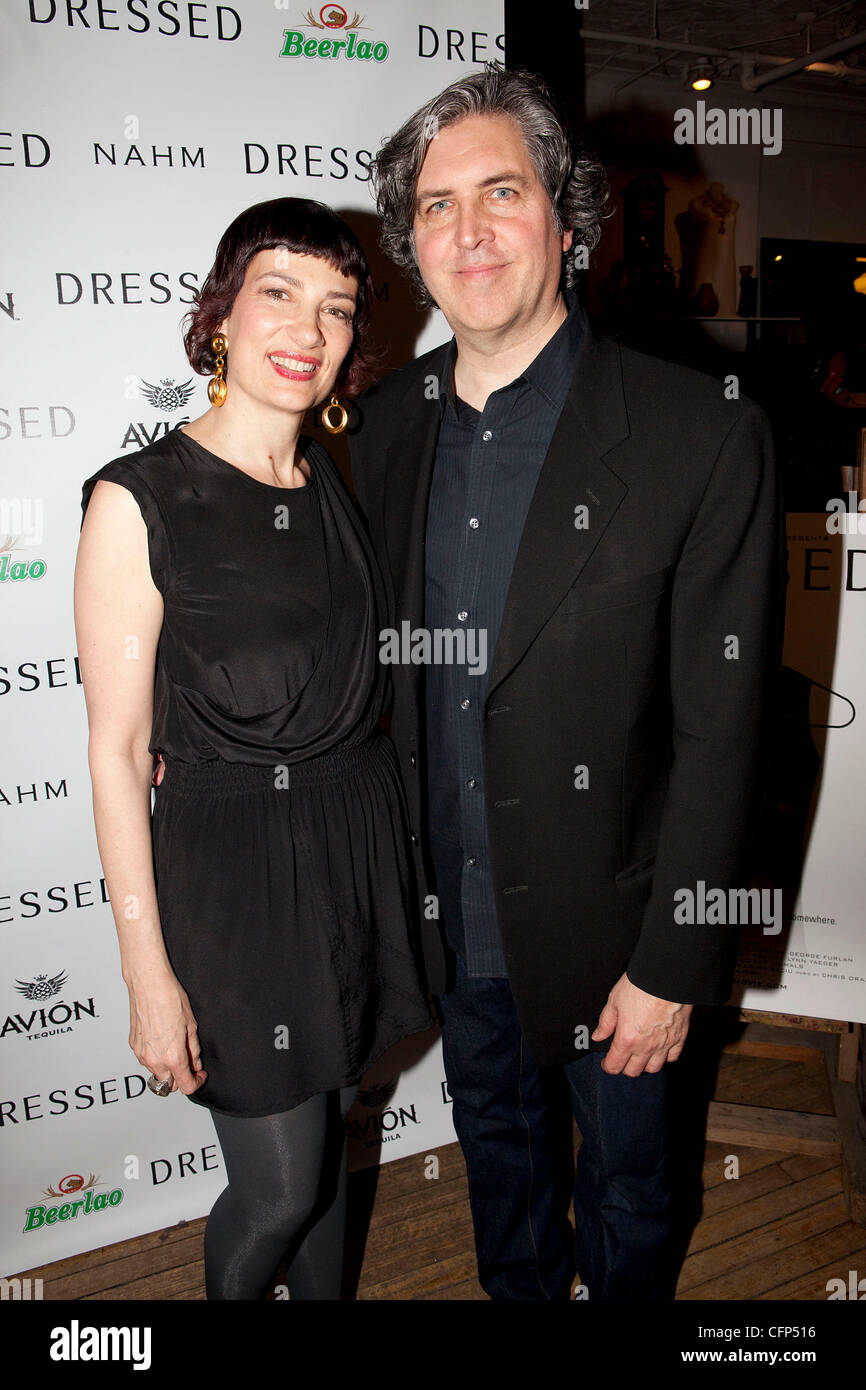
(779, 1230)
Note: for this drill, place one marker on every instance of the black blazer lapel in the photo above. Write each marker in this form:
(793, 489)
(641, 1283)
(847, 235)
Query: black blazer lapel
(410, 459)
(553, 548)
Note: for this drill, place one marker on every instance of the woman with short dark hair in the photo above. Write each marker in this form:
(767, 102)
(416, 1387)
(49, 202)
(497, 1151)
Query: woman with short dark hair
(227, 606)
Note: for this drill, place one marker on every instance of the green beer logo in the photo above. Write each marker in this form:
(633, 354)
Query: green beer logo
(41, 1215)
(332, 17)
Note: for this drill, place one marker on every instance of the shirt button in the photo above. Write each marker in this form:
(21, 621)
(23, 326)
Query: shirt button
(487, 435)
(414, 838)
(463, 615)
(464, 704)
(474, 523)
(471, 783)
(472, 861)
(412, 759)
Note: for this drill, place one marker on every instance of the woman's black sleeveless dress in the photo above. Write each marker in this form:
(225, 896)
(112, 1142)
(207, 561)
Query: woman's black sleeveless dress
(279, 828)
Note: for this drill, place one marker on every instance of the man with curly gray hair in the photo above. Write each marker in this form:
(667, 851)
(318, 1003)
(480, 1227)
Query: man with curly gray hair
(607, 527)
(577, 188)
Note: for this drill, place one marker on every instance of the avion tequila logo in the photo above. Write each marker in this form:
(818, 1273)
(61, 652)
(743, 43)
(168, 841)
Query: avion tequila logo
(166, 395)
(330, 20)
(48, 1021)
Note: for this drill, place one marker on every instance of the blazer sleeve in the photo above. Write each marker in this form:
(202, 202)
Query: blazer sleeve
(726, 633)
(357, 455)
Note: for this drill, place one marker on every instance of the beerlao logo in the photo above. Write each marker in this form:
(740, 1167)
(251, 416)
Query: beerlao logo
(332, 19)
(41, 1215)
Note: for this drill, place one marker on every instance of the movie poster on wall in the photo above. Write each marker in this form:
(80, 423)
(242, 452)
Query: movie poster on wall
(812, 959)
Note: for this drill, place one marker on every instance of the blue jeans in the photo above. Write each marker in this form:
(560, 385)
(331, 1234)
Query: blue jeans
(503, 1119)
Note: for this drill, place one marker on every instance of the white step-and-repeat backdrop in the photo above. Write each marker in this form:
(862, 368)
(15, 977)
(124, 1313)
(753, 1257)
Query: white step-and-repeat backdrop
(132, 134)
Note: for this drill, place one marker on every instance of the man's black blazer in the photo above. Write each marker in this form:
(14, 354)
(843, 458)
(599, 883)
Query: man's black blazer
(625, 700)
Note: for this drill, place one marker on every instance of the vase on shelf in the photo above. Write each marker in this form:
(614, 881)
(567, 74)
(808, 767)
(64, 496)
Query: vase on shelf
(705, 301)
(748, 304)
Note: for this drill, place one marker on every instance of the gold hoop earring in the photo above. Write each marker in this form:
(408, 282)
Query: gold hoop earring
(334, 404)
(217, 389)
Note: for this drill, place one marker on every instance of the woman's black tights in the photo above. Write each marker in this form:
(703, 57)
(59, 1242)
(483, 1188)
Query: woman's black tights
(286, 1198)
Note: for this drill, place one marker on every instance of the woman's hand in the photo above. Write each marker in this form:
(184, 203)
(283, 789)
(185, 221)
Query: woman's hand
(162, 1031)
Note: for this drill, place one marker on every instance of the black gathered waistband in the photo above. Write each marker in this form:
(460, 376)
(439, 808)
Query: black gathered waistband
(224, 776)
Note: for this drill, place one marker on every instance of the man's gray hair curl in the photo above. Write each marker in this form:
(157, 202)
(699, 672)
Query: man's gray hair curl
(577, 187)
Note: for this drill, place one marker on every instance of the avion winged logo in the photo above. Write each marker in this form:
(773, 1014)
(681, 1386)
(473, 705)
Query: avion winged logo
(331, 20)
(167, 396)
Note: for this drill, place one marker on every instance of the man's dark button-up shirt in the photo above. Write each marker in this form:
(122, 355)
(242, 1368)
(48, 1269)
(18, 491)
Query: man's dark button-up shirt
(485, 472)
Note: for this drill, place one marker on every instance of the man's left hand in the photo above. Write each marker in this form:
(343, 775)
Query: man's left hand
(649, 1031)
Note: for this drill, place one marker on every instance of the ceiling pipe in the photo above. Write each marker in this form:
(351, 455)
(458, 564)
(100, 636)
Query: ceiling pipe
(742, 56)
(754, 84)
(700, 49)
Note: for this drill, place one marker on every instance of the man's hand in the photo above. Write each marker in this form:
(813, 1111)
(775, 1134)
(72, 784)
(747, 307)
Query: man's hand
(649, 1031)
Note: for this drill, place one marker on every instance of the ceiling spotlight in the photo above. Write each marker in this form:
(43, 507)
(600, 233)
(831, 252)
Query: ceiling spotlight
(701, 76)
